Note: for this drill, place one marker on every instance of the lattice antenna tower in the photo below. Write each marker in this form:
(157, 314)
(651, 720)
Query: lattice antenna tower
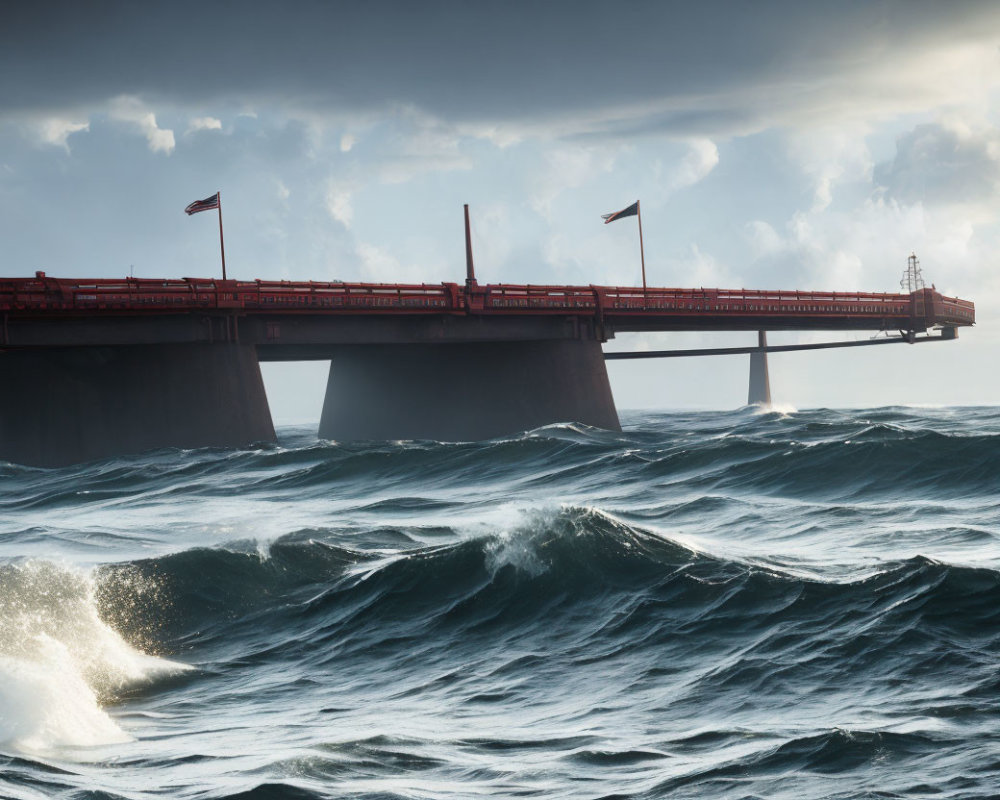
(912, 279)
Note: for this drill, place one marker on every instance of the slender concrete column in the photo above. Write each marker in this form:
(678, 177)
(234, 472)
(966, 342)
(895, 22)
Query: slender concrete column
(465, 392)
(759, 393)
(71, 404)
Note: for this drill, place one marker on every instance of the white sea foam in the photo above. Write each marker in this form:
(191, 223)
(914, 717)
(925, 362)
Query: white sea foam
(60, 662)
(784, 409)
(514, 549)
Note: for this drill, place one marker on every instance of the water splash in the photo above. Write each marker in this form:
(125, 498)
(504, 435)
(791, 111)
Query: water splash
(60, 662)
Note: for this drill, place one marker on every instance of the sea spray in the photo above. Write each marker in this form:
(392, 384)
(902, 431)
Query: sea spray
(59, 661)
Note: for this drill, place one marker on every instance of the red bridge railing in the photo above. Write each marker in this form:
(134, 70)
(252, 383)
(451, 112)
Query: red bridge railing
(45, 295)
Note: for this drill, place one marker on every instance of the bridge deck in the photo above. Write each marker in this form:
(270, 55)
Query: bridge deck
(608, 309)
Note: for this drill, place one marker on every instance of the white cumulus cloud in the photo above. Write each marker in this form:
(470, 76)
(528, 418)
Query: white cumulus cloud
(204, 124)
(700, 160)
(56, 130)
(568, 166)
(944, 163)
(132, 111)
(338, 204)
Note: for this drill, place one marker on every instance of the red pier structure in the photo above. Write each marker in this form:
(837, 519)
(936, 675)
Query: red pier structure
(96, 368)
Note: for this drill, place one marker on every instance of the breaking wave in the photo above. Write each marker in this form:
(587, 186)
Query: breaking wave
(60, 662)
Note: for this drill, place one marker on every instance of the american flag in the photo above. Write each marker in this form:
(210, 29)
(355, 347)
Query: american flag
(203, 205)
(631, 211)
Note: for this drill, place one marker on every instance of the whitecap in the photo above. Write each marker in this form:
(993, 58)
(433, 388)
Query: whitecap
(60, 663)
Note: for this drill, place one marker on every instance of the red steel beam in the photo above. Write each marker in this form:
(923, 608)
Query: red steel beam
(45, 296)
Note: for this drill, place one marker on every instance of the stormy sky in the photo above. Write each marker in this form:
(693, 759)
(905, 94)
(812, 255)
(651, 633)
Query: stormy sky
(773, 145)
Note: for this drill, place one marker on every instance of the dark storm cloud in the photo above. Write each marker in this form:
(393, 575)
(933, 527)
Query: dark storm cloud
(471, 61)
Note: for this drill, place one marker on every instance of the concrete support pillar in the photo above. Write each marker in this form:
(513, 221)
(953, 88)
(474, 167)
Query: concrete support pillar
(465, 392)
(71, 404)
(759, 393)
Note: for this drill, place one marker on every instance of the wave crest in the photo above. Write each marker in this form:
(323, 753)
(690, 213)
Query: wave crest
(60, 661)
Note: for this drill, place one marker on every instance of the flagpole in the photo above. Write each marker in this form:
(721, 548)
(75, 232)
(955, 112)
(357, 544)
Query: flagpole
(222, 242)
(642, 253)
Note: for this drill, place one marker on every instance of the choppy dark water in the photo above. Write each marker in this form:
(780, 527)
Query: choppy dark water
(726, 605)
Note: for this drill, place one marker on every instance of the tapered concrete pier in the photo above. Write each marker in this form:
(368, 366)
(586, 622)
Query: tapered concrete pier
(465, 392)
(64, 405)
(759, 393)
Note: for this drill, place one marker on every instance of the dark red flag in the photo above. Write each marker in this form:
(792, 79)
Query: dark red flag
(631, 211)
(203, 205)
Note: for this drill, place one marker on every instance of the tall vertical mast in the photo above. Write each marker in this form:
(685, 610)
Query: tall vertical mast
(222, 242)
(470, 269)
(642, 252)
(912, 279)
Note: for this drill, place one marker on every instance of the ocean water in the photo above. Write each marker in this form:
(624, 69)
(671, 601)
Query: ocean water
(726, 605)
